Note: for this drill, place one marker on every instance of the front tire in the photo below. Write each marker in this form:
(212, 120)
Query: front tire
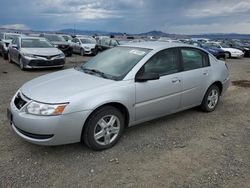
(104, 128)
(82, 52)
(21, 64)
(211, 99)
(9, 58)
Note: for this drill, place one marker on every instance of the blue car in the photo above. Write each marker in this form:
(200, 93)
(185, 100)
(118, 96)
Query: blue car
(217, 52)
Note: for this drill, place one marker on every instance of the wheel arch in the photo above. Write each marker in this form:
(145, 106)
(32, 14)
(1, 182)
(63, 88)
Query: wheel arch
(119, 106)
(218, 84)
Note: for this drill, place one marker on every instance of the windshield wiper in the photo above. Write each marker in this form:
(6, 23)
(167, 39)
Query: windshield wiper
(95, 71)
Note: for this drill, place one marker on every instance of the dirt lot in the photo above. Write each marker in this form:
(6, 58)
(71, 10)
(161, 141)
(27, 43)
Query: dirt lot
(188, 149)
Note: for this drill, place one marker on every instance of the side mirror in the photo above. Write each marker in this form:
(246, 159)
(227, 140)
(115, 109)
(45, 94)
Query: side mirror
(77, 42)
(147, 76)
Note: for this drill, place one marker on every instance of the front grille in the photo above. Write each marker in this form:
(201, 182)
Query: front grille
(46, 63)
(19, 101)
(35, 136)
(47, 57)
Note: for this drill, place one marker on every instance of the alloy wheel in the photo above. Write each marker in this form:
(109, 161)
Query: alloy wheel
(212, 99)
(107, 130)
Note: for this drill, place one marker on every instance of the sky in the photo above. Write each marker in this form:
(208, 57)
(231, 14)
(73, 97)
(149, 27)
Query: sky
(130, 16)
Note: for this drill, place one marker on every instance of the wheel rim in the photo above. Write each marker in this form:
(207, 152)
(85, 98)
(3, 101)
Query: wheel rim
(21, 63)
(82, 52)
(107, 130)
(212, 98)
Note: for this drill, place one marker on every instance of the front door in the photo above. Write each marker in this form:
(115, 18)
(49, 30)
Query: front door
(159, 97)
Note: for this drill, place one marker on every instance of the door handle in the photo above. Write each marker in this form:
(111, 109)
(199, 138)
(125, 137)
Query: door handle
(205, 73)
(174, 80)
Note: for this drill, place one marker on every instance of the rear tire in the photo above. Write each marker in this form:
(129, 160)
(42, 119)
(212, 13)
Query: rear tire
(211, 99)
(103, 128)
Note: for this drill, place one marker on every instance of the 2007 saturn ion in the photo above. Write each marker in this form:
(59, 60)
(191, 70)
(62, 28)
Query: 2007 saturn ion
(120, 87)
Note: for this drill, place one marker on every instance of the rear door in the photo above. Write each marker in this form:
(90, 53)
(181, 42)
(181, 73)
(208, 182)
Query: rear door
(196, 70)
(159, 97)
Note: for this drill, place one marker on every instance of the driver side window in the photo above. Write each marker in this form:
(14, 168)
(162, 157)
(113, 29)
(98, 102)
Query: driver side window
(162, 63)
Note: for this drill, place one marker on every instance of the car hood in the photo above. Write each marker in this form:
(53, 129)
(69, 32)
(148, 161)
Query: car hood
(60, 86)
(41, 51)
(89, 45)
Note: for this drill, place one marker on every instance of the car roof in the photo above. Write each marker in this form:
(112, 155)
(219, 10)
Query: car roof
(29, 37)
(154, 45)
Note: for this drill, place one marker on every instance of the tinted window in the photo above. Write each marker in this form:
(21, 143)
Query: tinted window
(106, 42)
(14, 41)
(163, 63)
(194, 59)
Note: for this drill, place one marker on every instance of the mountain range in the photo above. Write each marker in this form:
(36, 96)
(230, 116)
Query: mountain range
(150, 33)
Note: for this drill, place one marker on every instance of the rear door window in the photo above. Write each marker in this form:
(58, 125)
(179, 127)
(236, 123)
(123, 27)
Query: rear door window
(193, 59)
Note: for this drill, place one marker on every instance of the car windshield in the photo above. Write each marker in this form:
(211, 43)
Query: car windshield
(55, 38)
(35, 43)
(116, 62)
(11, 36)
(88, 41)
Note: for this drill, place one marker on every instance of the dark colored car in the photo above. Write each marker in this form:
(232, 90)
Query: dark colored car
(59, 42)
(106, 43)
(241, 46)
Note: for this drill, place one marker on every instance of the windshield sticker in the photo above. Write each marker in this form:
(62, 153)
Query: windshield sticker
(137, 52)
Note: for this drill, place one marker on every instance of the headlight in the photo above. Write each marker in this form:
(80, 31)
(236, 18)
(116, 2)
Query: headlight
(28, 55)
(42, 109)
(61, 55)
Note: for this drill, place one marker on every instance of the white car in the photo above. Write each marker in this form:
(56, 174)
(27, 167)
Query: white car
(229, 52)
(84, 45)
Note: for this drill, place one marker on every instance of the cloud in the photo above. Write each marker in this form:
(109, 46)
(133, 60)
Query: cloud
(220, 8)
(130, 16)
(15, 26)
(243, 28)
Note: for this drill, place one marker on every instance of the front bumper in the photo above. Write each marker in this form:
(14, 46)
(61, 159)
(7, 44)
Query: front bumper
(47, 130)
(43, 62)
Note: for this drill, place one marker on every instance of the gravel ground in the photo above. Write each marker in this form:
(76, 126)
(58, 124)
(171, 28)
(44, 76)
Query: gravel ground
(187, 149)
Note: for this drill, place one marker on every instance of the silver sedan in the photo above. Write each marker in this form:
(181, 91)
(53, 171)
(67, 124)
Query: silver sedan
(34, 52)
(120, 87)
